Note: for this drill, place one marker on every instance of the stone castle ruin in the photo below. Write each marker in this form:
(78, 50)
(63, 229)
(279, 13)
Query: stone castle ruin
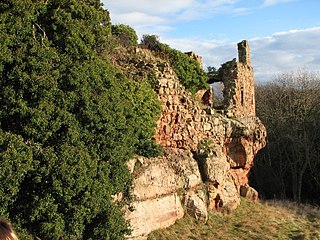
(208, 153)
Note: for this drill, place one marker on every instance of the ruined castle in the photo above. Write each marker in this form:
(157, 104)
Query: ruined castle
(208, 153)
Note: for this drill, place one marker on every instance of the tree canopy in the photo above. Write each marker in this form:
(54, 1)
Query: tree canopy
(68, 120)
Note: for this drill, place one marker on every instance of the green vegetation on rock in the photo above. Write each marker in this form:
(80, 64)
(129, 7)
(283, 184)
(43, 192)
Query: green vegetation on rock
(188, 70)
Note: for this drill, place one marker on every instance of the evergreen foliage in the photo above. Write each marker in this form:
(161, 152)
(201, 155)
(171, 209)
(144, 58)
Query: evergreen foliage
(188, 70)
(68, 120)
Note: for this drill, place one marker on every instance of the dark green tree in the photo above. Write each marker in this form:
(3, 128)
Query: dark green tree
(69, 120)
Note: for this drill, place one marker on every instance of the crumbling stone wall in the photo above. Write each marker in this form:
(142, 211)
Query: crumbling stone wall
(184, 121)
(196, 57)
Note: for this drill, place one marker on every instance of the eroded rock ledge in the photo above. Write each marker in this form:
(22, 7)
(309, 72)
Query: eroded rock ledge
(208, 153)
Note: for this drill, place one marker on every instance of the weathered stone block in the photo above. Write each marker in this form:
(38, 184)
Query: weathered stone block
(153, 214)
(249, 192)
(163, 82)
(207, 126)
(196, 207)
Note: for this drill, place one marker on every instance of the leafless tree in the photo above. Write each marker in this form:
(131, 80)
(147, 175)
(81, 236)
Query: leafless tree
(290, 108)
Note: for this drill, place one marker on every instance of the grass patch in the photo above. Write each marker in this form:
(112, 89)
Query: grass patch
(251, 220)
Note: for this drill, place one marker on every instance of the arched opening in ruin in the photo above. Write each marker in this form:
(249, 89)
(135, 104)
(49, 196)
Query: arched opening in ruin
(218, 97)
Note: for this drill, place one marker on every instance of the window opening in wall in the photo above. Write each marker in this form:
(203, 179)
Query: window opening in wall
(242, 96)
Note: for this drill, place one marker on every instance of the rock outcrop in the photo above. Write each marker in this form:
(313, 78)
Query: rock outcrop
(208, 153)
(159, 186)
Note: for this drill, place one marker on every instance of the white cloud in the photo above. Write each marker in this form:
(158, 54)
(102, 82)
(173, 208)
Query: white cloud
(146, 15)
(148, 6)
(137, 18)
(268, 3)
(165, 6)
(282, 51)
(286, 51)
(278, 53)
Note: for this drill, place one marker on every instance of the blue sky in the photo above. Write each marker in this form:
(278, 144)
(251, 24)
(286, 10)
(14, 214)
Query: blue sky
(284, 35)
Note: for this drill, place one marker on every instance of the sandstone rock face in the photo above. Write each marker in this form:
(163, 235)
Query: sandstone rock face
(152, 214)
(159, 187)
(175, 170)
(208, 154)
(222, 187)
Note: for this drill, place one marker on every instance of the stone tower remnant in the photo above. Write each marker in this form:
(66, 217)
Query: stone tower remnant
(244, 52)
(238, 80)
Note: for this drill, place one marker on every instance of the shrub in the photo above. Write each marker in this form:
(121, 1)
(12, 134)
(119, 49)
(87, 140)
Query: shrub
(188, 71)
(149, 148)
(151, 42)
(126, 34)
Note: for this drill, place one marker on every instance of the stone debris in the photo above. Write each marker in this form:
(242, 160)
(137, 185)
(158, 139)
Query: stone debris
(249, 192)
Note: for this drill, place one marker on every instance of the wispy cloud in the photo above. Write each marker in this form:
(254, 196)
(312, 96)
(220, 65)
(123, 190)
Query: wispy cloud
(147, 14)
(138, 19)
(286, 51)
(280, 52)
(147, 6)
(268, 3)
